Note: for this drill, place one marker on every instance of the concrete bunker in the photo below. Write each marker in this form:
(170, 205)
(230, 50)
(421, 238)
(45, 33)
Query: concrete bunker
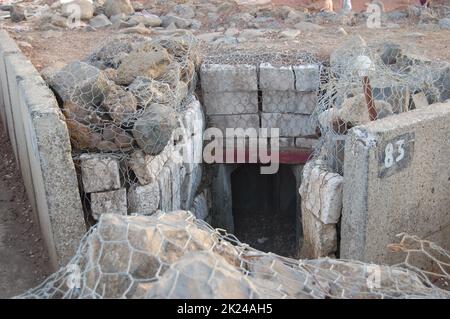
(262, 210)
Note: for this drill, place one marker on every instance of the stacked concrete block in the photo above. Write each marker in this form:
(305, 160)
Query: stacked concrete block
(112, 202)
(290, 125)
(99, 173)
(288, 89)
(321, 202)
(230, 89)
(289, 96)
(100, 176)
(143, 199)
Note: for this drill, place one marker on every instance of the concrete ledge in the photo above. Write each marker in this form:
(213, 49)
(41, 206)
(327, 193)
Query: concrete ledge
(396, 179)
(41, 144)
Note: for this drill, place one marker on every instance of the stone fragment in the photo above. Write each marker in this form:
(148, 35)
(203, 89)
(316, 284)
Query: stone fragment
(112, 202)
(100, 21)
(143, 200)
(99, 173)
(84, 9)
(119, 104)
(115, 7)
(321, 193)
(154, 129)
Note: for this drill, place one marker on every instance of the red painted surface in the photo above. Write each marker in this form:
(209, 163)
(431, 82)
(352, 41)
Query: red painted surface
(286, 156)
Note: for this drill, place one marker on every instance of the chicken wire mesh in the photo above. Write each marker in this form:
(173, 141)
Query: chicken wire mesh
(122, 106)
(175, 255)
(364, 83)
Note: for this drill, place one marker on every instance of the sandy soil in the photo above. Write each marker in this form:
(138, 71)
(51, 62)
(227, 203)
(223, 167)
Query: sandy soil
(23, 260)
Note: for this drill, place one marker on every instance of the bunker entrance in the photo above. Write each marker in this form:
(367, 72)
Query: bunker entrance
(265, 209)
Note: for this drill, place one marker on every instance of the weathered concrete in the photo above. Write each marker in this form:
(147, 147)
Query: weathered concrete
(396, 179)
(223, 122)
(289, 102)
(228, 78)
(230, 102)
(307, 77)
(42, 148)
(290, 125)
(321, 193)
(276, 78)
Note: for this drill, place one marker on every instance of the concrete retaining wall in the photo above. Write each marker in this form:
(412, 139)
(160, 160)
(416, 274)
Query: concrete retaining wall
(41, 144)
(396, 179)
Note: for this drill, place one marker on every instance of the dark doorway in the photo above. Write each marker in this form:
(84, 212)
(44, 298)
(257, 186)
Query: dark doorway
(265, 209)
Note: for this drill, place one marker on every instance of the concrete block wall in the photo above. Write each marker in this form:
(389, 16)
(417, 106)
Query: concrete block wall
(396, 180)
(42, 149)
(262, 96)
(168, 181)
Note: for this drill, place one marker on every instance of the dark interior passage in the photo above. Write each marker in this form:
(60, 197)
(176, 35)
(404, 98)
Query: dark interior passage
(265, 209)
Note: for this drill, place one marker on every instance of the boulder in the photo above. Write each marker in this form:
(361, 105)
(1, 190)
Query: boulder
(84, 8)
(100, 21)
(17, 14)
(153, 130)
(184, 11)
(148, 20)
(354, 110)
(177, 21)
(81, 83)
(148, 61)
(119, 103)
(148, 91)
(114, 7)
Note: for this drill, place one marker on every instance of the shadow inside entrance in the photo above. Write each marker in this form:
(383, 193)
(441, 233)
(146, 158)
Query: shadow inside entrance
(265, 209)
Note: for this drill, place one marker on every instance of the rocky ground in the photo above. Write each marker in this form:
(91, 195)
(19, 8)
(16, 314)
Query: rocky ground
(47, 36)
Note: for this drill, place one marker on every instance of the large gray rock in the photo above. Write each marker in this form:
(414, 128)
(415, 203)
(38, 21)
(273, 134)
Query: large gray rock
(110, 54)
(183, 11)
(148, 61)
(119, 104)
(153, 130)
(114, 7)
(17, 14)
(178, 22)
(100, 21)
(81, 83)
(84, 9)
(148, 20)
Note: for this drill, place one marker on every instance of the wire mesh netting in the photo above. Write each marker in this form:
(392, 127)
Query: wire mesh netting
(365, 83)
(124, 107)
(175, 255)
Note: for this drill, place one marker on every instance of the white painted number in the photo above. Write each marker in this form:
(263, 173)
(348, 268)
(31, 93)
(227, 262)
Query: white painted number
(389, 156)
(389, 159)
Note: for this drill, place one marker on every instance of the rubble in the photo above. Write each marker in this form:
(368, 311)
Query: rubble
(154, 129)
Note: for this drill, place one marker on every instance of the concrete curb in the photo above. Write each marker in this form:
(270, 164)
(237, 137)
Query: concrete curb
(41, 144)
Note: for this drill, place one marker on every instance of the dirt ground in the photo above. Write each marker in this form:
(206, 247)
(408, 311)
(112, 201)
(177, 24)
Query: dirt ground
(23, 260)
